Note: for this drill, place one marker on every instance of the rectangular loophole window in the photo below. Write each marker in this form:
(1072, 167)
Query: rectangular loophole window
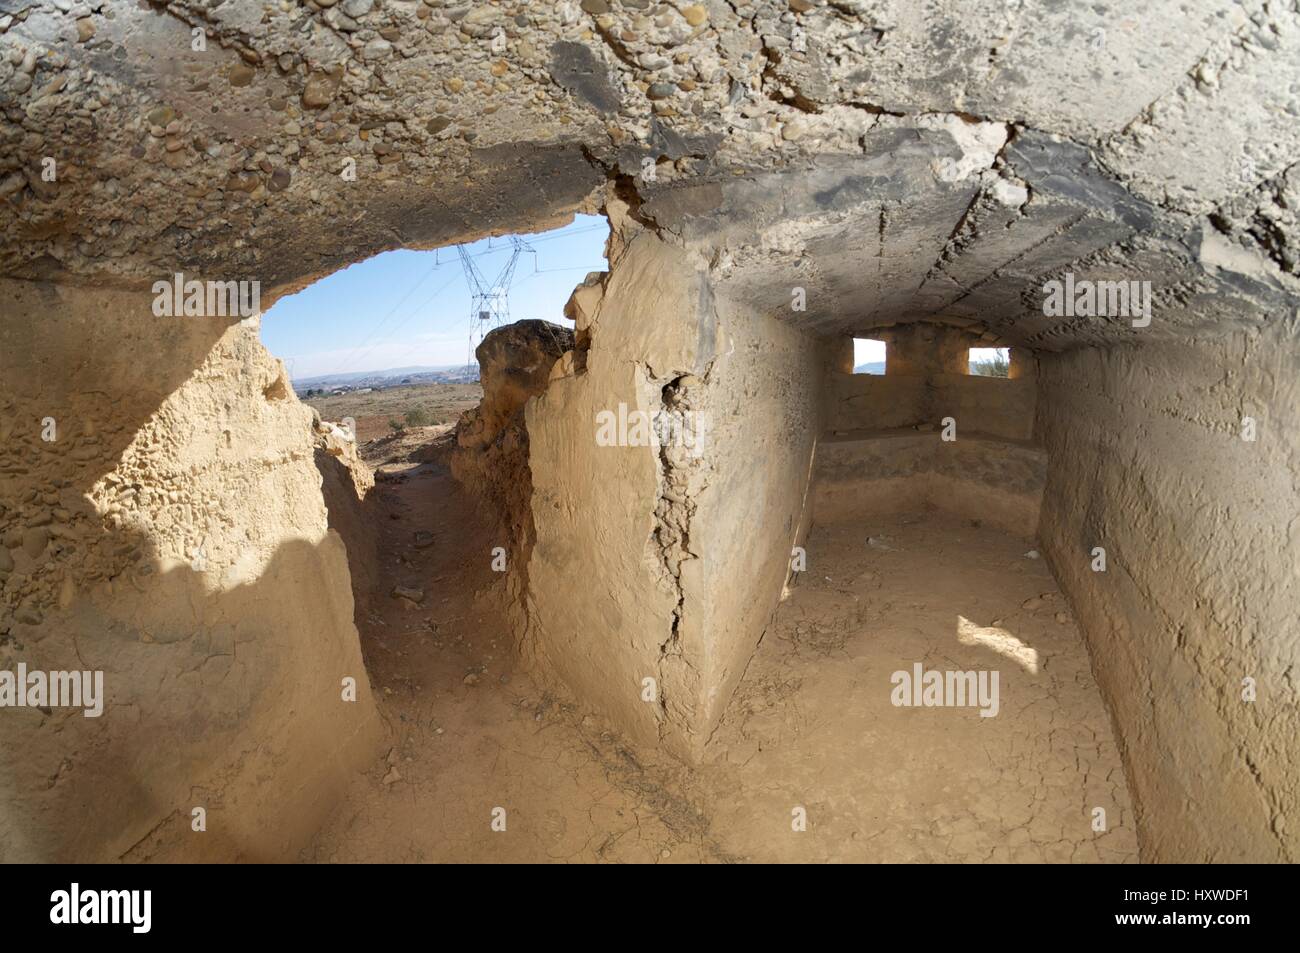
(989, 361)
(868, 356)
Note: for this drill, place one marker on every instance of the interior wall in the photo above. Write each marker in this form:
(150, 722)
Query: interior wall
(993, 406)
(885, 449)
(665, 561)
(1199, 592)
(222, 673)
(863, 475)
(926, 379)
(601, 602)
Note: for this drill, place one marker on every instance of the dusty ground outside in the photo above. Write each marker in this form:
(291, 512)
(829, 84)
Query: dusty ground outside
(811, 726)
(441, 404)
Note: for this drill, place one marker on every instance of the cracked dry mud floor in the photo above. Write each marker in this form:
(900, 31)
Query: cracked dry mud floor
(811, 724)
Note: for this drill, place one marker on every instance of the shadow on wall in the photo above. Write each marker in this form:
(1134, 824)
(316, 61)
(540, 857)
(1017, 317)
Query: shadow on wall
(352, 516)
(171, 535)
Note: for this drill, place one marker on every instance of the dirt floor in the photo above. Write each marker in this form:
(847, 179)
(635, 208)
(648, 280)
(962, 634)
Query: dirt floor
(811, 726)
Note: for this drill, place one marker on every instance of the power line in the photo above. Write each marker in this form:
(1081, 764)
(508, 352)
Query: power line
(490, 305)
(375, 329)
(496, 297)
(565, 234)
(410, 315)
(548, 271)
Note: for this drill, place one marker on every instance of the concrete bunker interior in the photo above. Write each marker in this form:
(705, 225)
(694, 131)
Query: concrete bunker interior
(722, 545)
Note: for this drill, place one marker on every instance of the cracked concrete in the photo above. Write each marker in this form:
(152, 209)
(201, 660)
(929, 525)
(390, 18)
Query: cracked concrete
(227, 145)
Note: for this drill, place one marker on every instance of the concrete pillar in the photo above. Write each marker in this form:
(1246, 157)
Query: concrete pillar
(923, 349)
(658, 561)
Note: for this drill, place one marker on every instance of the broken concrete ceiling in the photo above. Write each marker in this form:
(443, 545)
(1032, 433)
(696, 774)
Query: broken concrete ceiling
(900, 160)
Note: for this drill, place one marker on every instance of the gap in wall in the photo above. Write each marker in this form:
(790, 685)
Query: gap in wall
(868, 356)
(990, 361)
(386, 353)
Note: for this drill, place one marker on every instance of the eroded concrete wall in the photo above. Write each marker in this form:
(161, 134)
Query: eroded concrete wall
(172, 535)
(1200, 588)
(666, 560)
(994, 482)
(928, 435)
(836, 144)
(993, 406)
(926, 379)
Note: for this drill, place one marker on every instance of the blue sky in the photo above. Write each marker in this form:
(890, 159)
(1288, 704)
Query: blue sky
(399, 308)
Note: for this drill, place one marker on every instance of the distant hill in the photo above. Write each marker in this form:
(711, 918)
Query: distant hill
(348, 378)
(875, 367)
(391, 377)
